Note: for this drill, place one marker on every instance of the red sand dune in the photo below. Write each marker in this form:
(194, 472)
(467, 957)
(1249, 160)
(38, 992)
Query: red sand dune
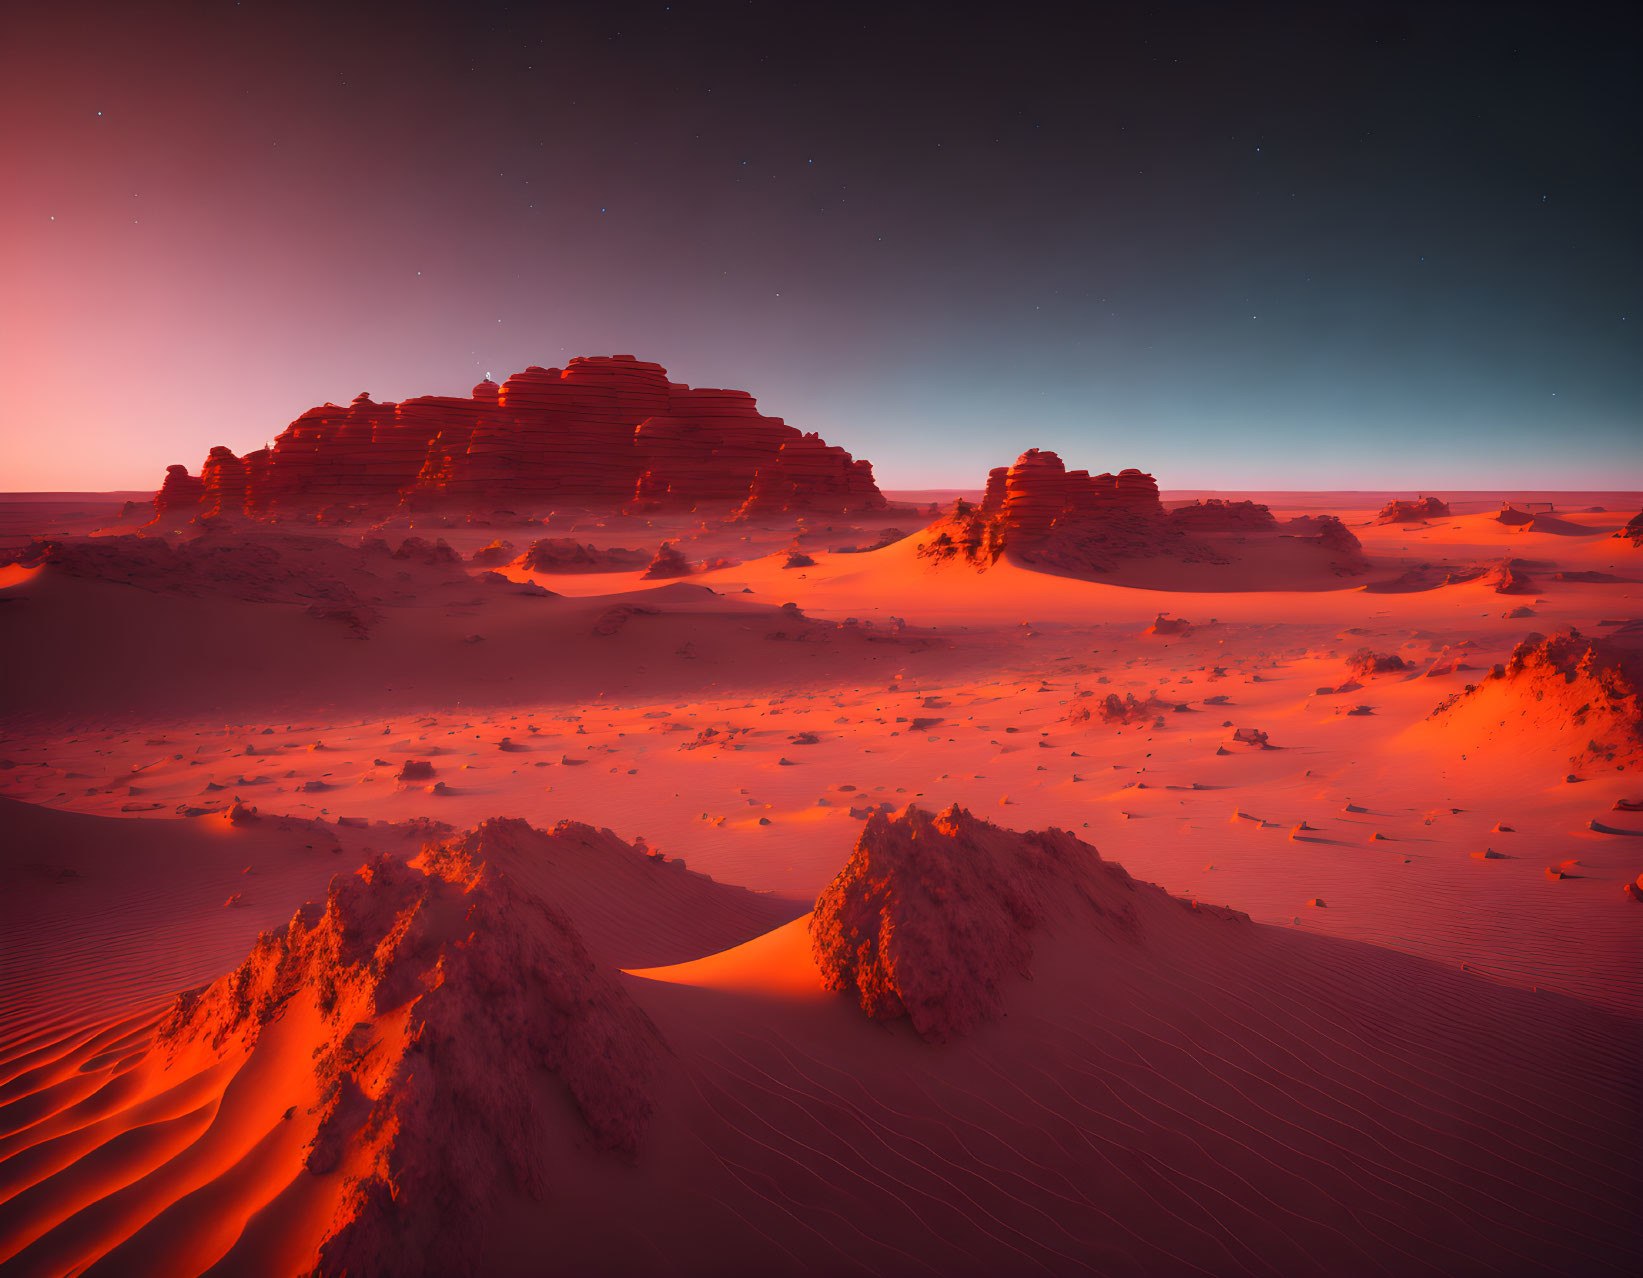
(432, 1072)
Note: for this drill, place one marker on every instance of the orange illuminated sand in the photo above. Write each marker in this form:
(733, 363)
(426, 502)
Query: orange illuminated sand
(776, 965)
(1415, 1058)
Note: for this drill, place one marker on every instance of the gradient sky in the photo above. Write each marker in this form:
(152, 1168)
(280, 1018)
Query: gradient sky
(1321, 246)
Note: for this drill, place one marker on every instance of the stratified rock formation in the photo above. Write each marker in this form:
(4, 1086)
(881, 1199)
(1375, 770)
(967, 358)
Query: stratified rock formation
(179, 495)
(1406, 512)
(1044, 515)
(601, 432)
(1039, 491)
(933, 914)
(428, 1009)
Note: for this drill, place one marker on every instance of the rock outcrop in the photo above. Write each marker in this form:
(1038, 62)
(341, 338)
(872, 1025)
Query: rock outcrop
(1164, 624)
(1217, 515)
(1039, 491)
(934, 914)
(1366, 663)
(601, 432)
(1633, 531)
(1036, 502)
(179, 494)
(435, 1005)
(567, 555)
(1408, 512)
(669, 561)
(1115, 710)
(886, 537)
(1070, 521)
(1568, 691)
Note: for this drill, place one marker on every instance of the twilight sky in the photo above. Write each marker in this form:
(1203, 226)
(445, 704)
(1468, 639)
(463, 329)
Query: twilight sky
(1320, 246)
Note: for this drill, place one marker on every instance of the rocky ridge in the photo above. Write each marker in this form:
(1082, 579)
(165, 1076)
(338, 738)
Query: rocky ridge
(603, 431)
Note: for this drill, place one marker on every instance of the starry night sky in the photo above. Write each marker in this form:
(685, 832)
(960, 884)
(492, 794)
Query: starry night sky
(1321, 246)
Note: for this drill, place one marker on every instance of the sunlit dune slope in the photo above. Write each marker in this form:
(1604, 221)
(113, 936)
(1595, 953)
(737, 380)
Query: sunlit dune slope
(1033, 1063)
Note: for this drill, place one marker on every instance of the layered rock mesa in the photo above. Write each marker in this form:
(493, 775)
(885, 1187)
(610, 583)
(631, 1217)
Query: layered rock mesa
(602, 431)
(1027, 502)
(1039, 490)
(1071, 520)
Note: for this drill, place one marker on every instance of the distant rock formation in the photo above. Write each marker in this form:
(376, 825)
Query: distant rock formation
(1406, 512)
(1039, 491)
(1633, 531)
(1217, 515)
(601, 432)
(565, 554)
(1044, 515)
(1028, 503)
(669, 561)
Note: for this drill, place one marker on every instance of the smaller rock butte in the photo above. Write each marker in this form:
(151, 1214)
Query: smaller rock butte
(1043, 513)
(1038, 490)
(601, 432)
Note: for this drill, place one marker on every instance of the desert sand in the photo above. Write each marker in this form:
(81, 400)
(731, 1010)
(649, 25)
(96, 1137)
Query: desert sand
(1232, 893)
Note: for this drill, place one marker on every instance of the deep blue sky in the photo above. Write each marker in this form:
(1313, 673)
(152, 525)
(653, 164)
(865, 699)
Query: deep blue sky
(1321, 246)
